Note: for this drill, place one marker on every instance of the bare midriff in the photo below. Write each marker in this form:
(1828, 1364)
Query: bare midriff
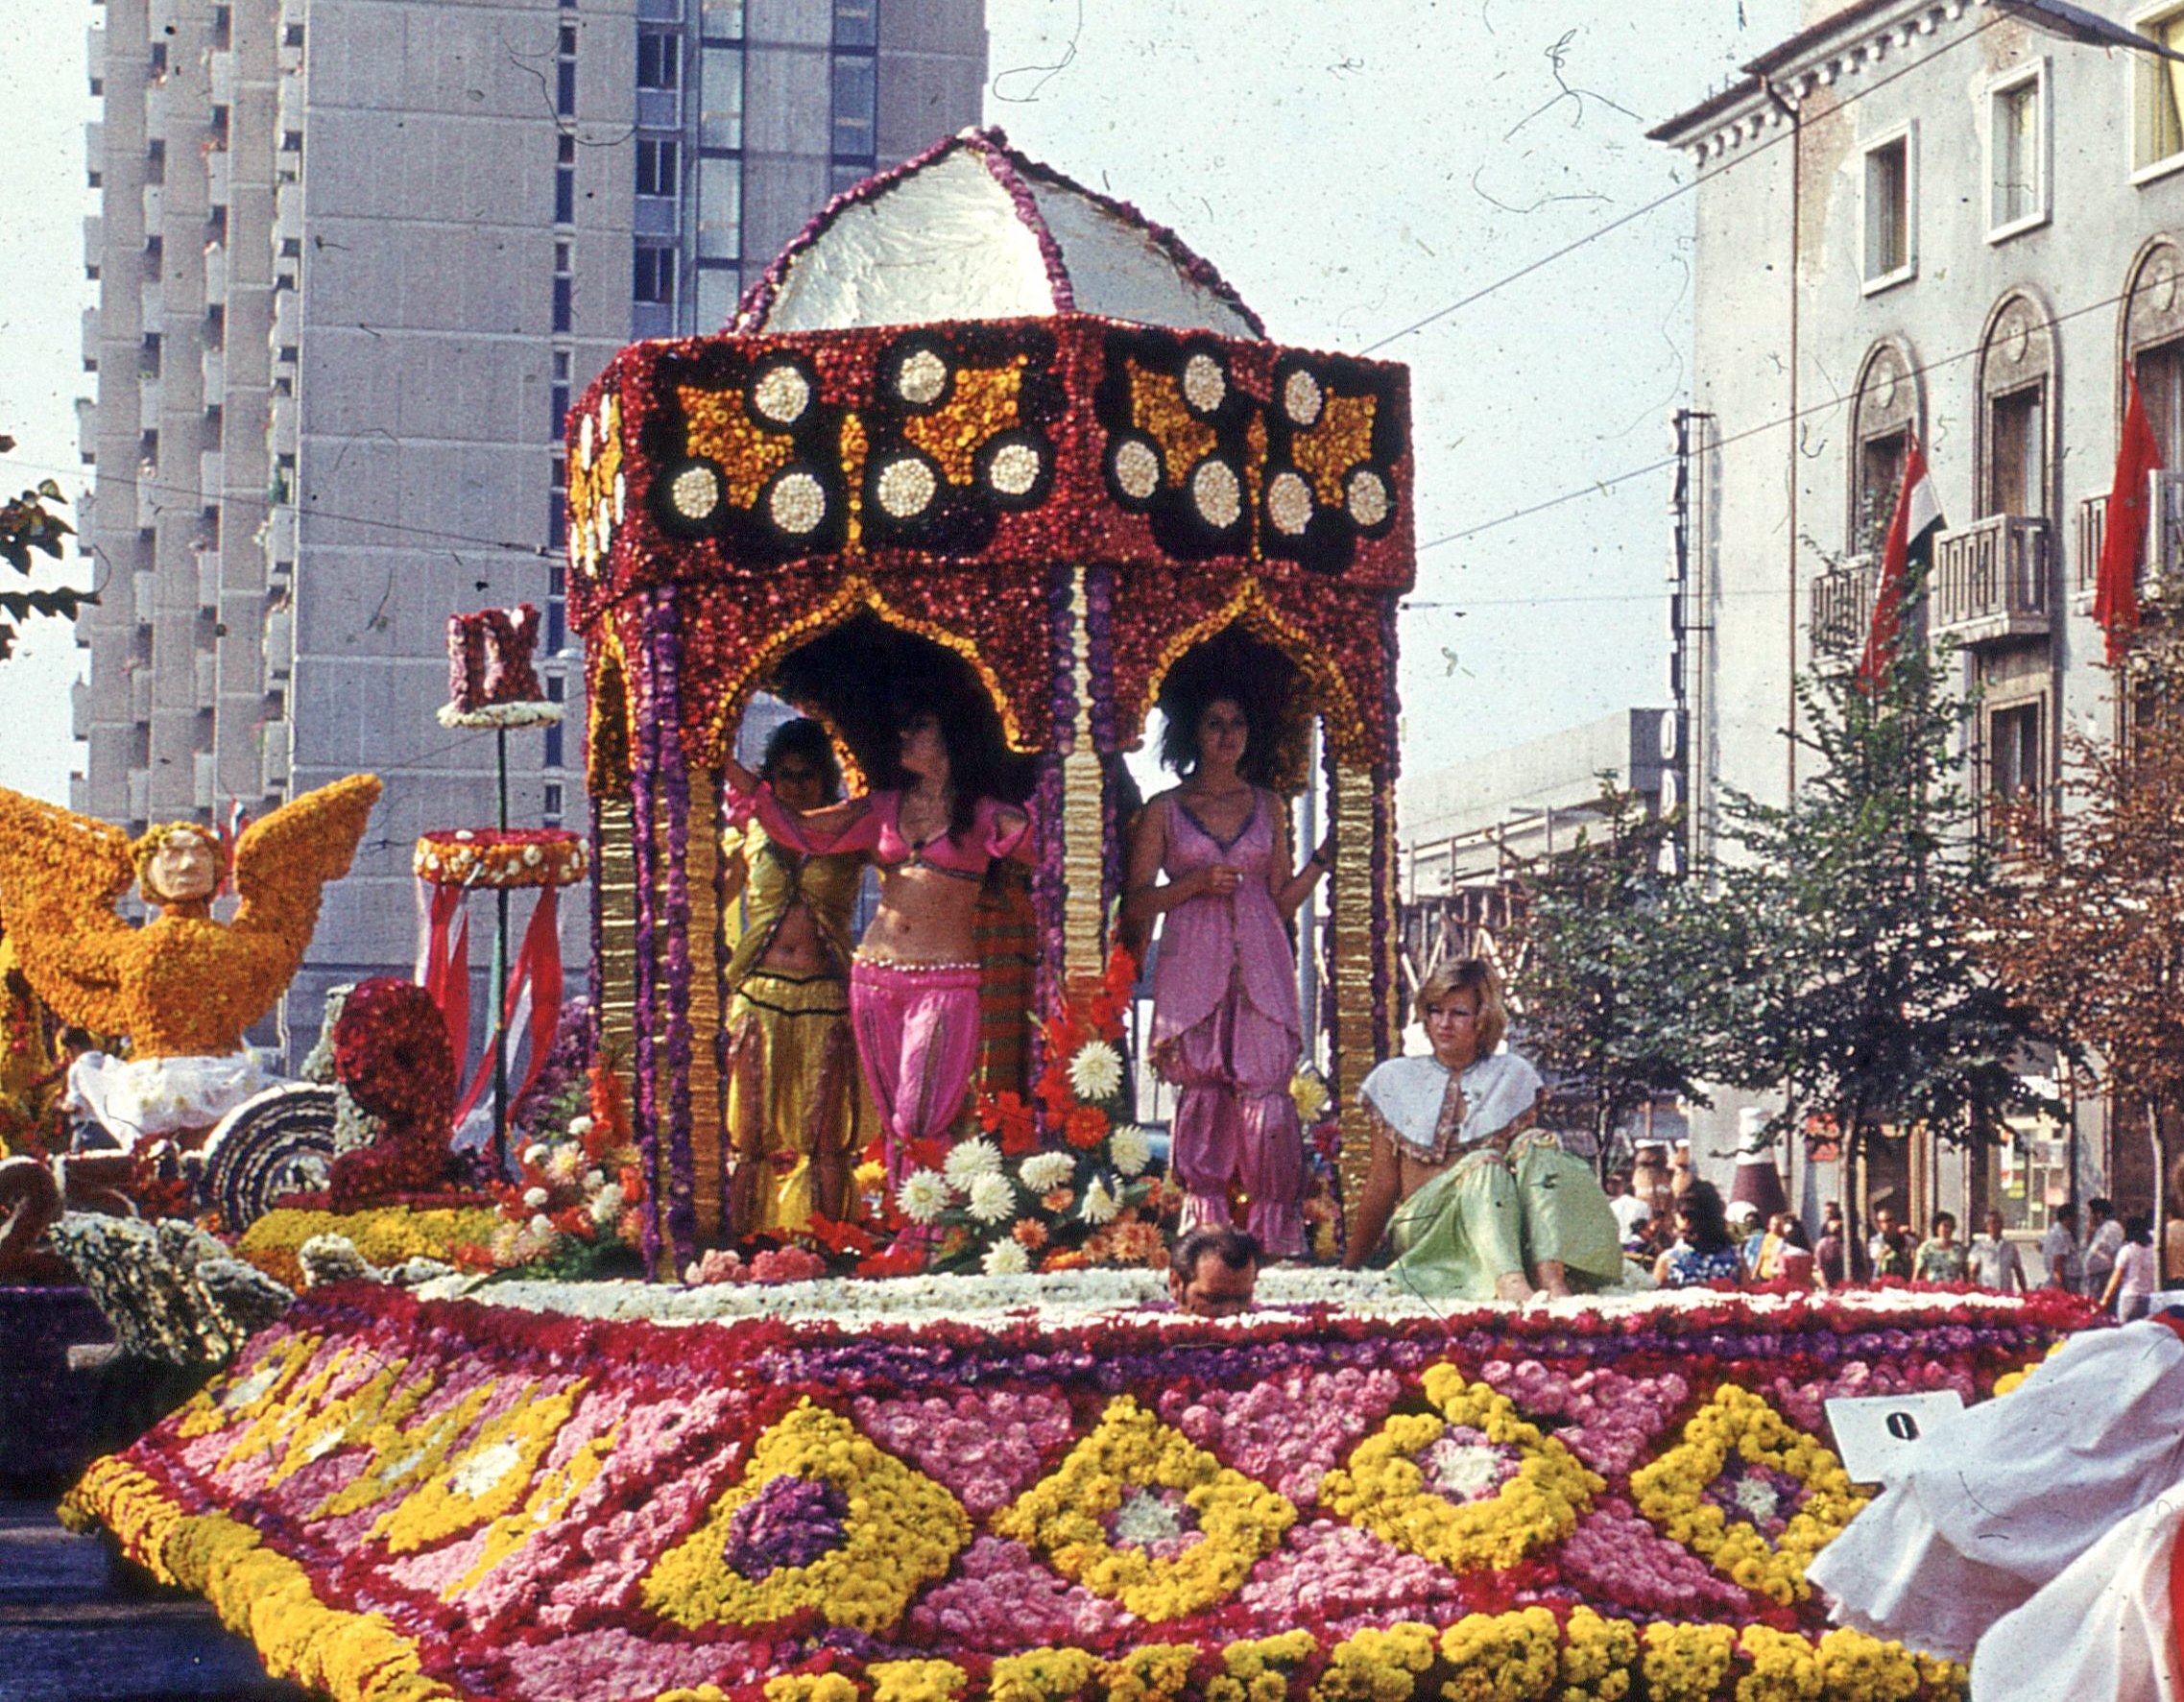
(925, 916)
(797, 948)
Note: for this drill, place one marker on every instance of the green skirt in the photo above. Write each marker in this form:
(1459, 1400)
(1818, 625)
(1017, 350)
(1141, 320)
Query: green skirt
(1490, 1214)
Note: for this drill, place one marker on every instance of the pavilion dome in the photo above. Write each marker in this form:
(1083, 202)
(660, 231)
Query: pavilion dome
(975, 229)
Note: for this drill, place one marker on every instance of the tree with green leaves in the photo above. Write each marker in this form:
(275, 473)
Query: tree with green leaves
(1604, 968)
(26, 526)
(1838, 929)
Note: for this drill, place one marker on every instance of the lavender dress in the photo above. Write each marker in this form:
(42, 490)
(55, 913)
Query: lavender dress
(1226, 1031)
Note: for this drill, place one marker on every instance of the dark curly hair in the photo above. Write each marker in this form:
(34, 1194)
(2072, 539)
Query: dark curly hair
(1254, 676)
(1700, 1205)
(803, 738)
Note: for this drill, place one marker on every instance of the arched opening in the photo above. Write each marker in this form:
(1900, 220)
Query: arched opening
(2016, 421)
(2153, 343)
(1887, 410)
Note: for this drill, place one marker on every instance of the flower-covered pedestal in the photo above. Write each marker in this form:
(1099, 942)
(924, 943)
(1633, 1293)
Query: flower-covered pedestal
(1004, 1487)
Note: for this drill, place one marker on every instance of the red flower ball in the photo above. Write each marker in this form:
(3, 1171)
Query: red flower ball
(391, 1053)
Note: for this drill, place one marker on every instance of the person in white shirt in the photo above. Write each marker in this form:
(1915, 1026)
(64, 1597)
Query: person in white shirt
(1632, 1213)
(1996, 1262)
(2058, 1251)
(2136, 1273)
(2103, 1241)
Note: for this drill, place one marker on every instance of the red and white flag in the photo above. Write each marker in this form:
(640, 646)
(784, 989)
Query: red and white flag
(2116, 592)
(1910, 539)
(534, 1006)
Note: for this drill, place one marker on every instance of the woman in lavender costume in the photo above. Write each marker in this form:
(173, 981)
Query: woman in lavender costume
(1226, 1029)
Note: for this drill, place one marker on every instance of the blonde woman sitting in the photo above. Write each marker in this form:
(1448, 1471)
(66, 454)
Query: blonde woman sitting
(1476, 1204)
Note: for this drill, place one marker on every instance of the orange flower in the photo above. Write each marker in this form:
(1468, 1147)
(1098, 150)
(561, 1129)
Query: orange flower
(1058, 1200)
(1086, 1127)
(1030, 1233)
(1009, 1119)
(1064, 1260)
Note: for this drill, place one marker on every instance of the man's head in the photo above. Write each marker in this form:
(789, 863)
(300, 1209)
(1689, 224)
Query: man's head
(1993, 1226)
(179, 863)
(1883, 1221)
(1212, 1271)
(2101, 1209)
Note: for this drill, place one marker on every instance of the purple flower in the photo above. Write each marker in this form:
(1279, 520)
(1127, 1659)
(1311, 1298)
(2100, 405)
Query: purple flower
(790, 1521)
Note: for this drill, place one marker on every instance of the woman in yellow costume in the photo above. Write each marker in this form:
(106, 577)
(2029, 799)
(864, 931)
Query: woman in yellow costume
(792, 1063)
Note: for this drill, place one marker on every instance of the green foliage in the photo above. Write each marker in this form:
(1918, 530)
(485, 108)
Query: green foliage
(1607, 970)
(1840, 928)
(27, 525)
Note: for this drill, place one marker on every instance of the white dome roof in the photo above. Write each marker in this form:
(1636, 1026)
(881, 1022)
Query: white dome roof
(973, 230)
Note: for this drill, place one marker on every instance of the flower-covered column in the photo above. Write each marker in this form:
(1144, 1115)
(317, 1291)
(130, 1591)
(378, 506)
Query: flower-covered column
(1084, 803)
(1360, 948)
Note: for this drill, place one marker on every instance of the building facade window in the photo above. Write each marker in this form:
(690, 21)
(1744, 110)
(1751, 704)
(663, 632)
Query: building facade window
(2157, 96)
(659, 59)
(657, 161)
(2153, 344)
(720, 110)
(722, 20)
(856, 24)
(155, 161)
(655, 274)
(2013, 447)
(565, 80)
(1885, 410)
(855, 90)
(2017, 153)
(1891, 209)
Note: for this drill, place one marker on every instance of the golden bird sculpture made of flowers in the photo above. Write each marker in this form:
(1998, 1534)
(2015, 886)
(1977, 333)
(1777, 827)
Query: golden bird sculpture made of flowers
(184, 984)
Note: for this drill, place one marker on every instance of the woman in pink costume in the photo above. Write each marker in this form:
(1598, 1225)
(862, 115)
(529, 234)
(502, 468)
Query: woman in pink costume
(914, 982)
(1226, 1029)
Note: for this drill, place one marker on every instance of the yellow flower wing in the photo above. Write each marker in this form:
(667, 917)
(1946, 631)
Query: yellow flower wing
(61, 874)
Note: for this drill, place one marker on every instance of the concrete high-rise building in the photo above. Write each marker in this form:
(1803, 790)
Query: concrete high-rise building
(354, 257)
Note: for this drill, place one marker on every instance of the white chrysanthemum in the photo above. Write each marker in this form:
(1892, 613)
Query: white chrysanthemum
(922, 1196)
(971, 1159)
(534, 1154)
(1005, 1259)
(993, 1197)
(543, 1227)
(565, 1164)
(606, 1207)
(1131, 1148)
(594, 1180)
(579, 1125)
(1044, 1171)
(1099, 1206)
(535, 1197)
(1096, 1073)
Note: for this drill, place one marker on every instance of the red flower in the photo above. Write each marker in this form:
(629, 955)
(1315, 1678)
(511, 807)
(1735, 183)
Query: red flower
(1011, 1122)
(1084, 1127)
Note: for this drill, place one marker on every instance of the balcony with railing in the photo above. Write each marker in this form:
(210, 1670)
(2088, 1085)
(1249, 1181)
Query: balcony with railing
(1843, 606)
(1991, 580)
(2161, 559)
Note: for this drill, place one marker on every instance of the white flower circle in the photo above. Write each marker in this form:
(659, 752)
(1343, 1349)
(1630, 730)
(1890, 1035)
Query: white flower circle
(1145, 1519)
(971, 1159)
(1204, 386)
(1005, 1259)
(695, 491)
(1216, 493)
(993, 1197)
(1367, 497)
(1758, 1498)
(1468, 1471)
(906, 487)
(1130, 1148)
(1289, 504)
(1096, 1073)
(921, 378)
(781, 394)
(1137, 469)
(1044, 1171)
(798, 504)
(1014, 470)
(922, 1196)
(1302, 397)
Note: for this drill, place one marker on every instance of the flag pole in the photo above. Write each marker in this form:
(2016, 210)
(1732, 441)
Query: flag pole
(500, 973)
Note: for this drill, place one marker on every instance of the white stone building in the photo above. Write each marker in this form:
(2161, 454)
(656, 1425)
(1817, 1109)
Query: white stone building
(1931, 216)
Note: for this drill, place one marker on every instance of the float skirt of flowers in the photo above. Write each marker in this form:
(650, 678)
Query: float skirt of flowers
(399, 1498)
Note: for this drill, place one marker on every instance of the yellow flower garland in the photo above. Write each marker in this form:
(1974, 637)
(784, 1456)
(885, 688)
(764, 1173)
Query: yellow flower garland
(1258, 1671)
(916, 1681)
(904, 1530)
(1670, 1492)
(1514, 1657)
(1240, 1520)
(1377, 1666)
(1687, 1662)
(1597, 1657)
(1384, 1490)
(386, 1236)
(1041, 1675)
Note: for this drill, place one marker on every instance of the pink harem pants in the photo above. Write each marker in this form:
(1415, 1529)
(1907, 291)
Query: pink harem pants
(1234, 1118)
(917, 1027)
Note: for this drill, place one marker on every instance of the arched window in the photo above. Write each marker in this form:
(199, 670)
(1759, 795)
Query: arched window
(2154, 342)
(2014, 447)
(1886, 408)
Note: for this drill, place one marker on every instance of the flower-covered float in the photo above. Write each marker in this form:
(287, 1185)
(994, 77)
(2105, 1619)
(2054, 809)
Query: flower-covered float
(1059, 451)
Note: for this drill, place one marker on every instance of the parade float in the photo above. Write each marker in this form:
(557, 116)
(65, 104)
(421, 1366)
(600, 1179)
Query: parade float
(979, 412)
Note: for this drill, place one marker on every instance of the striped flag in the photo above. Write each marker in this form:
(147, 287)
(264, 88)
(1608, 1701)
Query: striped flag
(1910, 539)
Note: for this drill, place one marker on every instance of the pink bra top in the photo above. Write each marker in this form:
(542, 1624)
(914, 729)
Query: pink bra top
(878, 830)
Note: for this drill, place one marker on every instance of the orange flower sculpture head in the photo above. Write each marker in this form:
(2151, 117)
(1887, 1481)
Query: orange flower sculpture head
(180, 863)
